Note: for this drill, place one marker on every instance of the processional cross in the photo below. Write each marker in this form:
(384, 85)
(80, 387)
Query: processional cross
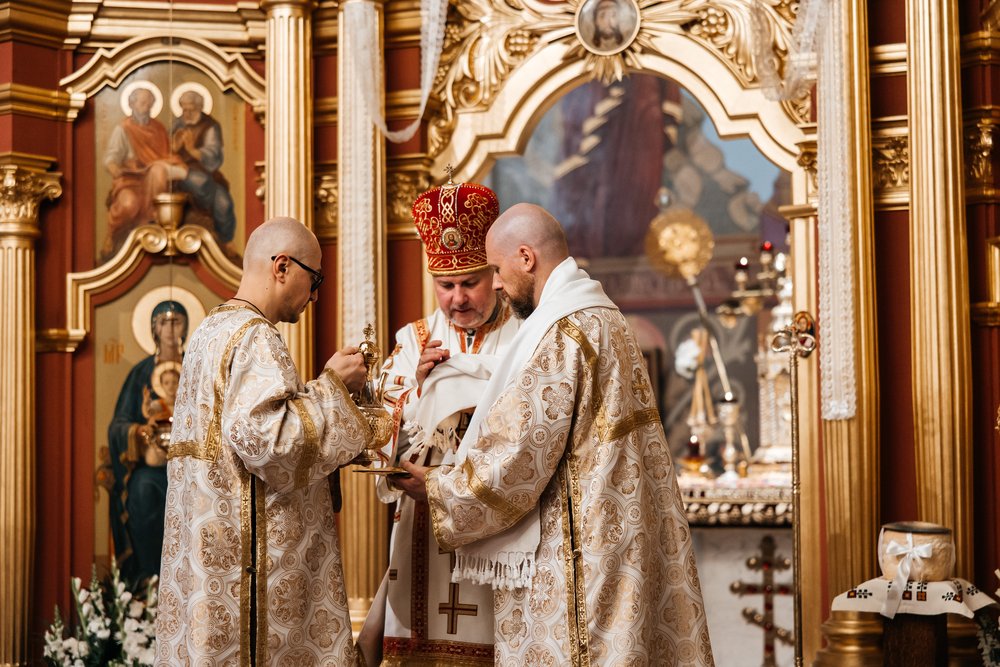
(767, 564)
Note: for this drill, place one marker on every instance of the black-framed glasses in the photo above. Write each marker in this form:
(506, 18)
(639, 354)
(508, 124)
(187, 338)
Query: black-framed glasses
(317, 277)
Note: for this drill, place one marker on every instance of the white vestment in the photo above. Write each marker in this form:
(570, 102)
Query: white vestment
(573, 445)
(251, 570)
(428, 619)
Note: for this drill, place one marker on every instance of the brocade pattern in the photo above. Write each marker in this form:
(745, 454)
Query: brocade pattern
(250, 539)
(616, 582)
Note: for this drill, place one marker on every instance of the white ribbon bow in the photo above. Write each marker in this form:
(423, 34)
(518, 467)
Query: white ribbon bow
(909, 554)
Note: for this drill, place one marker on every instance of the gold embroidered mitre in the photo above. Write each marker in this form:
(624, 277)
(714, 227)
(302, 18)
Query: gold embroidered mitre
(453, 220)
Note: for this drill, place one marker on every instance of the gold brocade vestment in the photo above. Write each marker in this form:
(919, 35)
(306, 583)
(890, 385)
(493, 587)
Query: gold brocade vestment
(576, 433)
(251, 570)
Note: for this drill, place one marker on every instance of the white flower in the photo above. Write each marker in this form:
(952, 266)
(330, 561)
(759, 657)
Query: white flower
(687, 358)
(135, 609)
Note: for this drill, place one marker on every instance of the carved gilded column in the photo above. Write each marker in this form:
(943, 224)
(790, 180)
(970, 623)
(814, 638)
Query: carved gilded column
(939, 281)
(362, 235)
(23, 186)
(288, 150)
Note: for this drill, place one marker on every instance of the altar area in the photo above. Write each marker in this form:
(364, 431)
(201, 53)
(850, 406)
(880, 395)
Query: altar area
(715, 167)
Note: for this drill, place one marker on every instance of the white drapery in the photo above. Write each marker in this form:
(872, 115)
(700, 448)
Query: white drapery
(360, 107)
(816, 38)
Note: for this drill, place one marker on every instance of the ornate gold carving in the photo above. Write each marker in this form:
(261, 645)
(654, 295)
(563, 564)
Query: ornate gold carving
(108, 67)
(979, 153)
(153, 239)
(21, 192)
(892, 164)
(487, 39)
(326, 205)
(991, 16)
(808, 161)
(725, 26)
(402, 189)
(770, 506)
(93, 23)
(979, 133)
(504, 62)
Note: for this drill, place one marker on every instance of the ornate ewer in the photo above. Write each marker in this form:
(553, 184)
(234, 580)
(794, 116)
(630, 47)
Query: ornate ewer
(369, 401)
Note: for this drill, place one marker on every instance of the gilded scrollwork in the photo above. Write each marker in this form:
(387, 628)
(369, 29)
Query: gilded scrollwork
(402, 189)
(892, 164)
(485, 40)
(326, 199)
(21, 192)
(807, 159)
(726, 27)
(979, 153)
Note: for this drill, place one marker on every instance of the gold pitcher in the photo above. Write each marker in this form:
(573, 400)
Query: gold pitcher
(369, 401)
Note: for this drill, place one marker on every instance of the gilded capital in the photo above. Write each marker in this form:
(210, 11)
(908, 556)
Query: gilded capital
(21, 191)
(326, 201)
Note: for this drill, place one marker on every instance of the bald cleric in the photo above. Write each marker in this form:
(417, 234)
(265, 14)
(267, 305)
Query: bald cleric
(563, 495)
(251, 571)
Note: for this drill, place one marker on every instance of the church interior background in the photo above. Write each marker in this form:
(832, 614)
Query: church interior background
(868, 202)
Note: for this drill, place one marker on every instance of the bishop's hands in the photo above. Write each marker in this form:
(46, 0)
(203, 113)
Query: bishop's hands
(432, 355)
(349, 365)
(414, 483)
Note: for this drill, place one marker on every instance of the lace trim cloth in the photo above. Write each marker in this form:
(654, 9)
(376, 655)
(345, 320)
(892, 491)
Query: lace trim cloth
(815, 34)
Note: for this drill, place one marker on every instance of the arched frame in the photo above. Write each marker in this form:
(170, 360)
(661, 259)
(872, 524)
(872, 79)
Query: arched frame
(109, 67)
(509, 100)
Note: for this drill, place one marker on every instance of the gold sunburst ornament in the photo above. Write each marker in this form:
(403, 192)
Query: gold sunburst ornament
(679, 242)
(610, 34)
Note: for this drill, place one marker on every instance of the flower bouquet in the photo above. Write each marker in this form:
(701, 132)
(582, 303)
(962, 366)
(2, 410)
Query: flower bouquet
(115, 626)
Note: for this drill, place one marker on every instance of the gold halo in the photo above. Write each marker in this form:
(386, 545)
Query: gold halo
(679, 243)
(157, 107)
(206, 97)
(144, 311)
(156, 381)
